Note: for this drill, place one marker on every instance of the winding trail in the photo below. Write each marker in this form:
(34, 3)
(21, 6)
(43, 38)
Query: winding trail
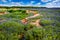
(37, 22)
(33, 16)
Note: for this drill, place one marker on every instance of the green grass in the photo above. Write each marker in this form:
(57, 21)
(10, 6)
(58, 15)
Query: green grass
(12, 28)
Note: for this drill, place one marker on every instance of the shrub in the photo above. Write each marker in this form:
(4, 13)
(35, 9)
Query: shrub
(46, 22)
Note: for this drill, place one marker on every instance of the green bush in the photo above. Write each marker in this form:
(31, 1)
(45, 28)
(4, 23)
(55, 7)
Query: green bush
(58, 24)
(46, 22)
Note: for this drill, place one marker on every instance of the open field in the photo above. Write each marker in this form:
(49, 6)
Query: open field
(29, 23)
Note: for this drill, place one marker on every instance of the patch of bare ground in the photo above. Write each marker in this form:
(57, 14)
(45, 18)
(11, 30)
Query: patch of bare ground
(36, 23)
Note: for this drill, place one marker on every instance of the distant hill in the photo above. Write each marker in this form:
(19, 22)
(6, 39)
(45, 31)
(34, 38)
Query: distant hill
(29, 7)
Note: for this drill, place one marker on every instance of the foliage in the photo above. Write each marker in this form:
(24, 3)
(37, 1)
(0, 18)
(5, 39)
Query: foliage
(46, 22)
(16, 14)
(14, 29)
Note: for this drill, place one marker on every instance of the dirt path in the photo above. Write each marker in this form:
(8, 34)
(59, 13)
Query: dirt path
(37, 23)
(33, 16)
(33, 23)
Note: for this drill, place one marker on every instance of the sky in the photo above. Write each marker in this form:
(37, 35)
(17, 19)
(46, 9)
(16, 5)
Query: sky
(38, 3)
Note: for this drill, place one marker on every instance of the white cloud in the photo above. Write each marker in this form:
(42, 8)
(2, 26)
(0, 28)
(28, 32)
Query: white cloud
(15, 4)
(3, 5)
(56, 0)
(38, 3)
(32, 2)
(55, 3)
(9, 0)
(12, 4)
(22, 4)
(3, 0)
(45, 0)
